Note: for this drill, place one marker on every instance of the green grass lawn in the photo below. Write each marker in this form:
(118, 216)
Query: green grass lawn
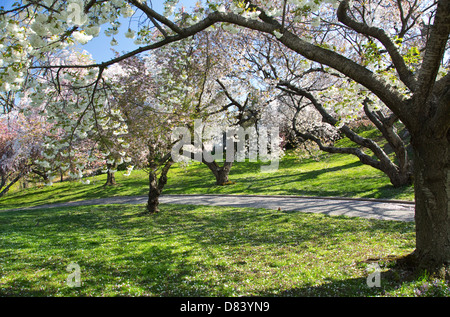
(331, 175)
(209, 251)
(202, 251)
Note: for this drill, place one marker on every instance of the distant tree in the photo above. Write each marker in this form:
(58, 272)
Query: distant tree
(20, 145)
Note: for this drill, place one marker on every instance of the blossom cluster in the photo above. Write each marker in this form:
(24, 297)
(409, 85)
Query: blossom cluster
(82, 121)
(73, 100)
(34, 32)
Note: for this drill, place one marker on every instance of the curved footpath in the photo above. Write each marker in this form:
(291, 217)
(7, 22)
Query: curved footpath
(351, 207)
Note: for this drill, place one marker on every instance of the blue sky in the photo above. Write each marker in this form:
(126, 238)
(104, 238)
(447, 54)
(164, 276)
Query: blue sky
(100, 47)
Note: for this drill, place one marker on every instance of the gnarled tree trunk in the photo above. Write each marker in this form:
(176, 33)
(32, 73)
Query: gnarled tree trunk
(110, 178)
(156, 186)
(432, 196)
(220, 172)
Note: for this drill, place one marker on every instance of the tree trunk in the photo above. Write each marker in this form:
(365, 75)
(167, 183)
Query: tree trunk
(41, 174)
(110, 177)
(220, 173)
(153, 193)
(432, 196)
(398, 177)
(4, 190)
(156, 186)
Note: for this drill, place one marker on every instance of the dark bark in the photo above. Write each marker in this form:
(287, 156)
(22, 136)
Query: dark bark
(156, 185)
(153, 193)
(12, 182)
(385, 125)
(399, 175)
(40, 173)
(432, 198)
(430, 138)
(220, 172)
(110, 179)
(110, 176)
(3, 181)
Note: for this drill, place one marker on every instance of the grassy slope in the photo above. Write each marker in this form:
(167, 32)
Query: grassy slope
(201, 251)
(332, 175)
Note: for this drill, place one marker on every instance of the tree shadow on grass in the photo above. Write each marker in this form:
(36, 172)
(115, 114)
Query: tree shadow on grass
(366, 286)
(389, 192)
(263, 183)
(119, 249)
(255, 168)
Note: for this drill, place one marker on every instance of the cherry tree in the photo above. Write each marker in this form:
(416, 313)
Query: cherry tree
(419, 97)
(209, 67)
(156, 94)
(20, 146)
(148, 122)
(236, 103)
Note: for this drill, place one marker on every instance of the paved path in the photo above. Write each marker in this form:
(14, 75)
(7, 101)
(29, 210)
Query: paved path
(367, 208)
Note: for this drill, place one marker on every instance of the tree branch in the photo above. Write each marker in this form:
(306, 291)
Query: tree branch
(393, 99)
(151, 14)
(406, 76)
(385, 125)
(365, 142)
(434, 53)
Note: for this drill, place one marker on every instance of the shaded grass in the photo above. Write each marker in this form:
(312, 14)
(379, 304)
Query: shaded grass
(201, 251)
(332, 175)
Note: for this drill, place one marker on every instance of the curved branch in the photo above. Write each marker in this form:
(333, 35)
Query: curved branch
(384, 160)
(153, 15)
(392, 98)
(363, 157)
(406, 75)
(434, 53)
(385, 125)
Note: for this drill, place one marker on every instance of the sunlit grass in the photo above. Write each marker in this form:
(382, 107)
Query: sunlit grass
(202, 251)
(331, 175)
